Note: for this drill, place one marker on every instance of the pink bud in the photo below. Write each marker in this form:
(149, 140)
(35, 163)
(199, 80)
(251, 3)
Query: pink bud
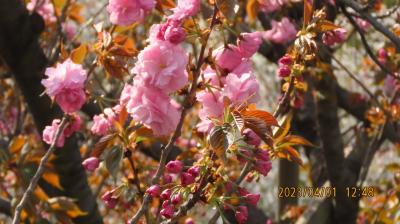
(262, 155)
(175, 35)
(382, 53)
(252, 199)
(91, 163)
(194, 170)
(154, 190)
(166, 194)
(246, 153)
(174, 166)
(109, 199)
(165, 204)
(167, 212)
(241, 214)
(186, 178)
(285, 60)
(263, 167)
(252, 138)
(176, 199)
(167, 178)
(284, 71)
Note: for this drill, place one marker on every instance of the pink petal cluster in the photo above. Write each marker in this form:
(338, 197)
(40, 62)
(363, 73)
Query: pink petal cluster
(285, 64)
(242, 89)
(110, 199)
(171, 31)
(281, 32)
(241, 214)
(49, 133)
(272, 5)
(248, 43)
(153, 190)
(336, 36)
(91, 163)
(185, 9)
(363, 24)
(103, 122)
(65, 85)
(44, 8)
(126, 12)
(248, 197)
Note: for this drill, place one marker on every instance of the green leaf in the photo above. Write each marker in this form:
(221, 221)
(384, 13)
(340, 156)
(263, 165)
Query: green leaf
(113, 160)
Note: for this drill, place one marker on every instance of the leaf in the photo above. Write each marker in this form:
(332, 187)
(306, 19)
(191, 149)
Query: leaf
(252, 9)
(308, 10)
(293, 155)
(102, 144)
(17, 143)
(40, 194)
(284, 129)
(79, 54)
(66, 205)
(260, 114)
(216, 138)
(53, 179)
(296, 140)
(239, 121)
(325, 25)
(260, 128)
(113, 160)
(227, 7)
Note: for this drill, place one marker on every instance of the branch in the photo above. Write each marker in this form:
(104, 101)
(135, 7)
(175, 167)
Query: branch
(34, 181)
(373, 21)
(187, 105)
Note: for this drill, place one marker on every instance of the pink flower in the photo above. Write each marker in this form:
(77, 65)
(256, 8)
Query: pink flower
(382, 55)
(153, 191)
(252, 199)
(65, 84)
(194, 170)
(154, 109)
(176, 199)
(271, 5)
(174, 166)
(263, 167)
(262, 155)
(332, 37)
(244, 155)
(126, 94)
(281, 32)
(100, 125)
(167, 211)
(212, 103)
(285, 60)
(187, 178)
(50, 131)
(284, 71)
(166, 194)
(185, 8)
(171, 31)
(91, 163)
(69, 30)
(241, 214)
(73, 126)
(252, 138)
(126, 12)
(363, 24)
(228, 58)
(167, 178)
(248, 43)
(109, 199)
(242, 89)
(162, 65)
(44, 8)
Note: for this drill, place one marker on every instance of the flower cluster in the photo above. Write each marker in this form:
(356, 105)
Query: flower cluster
(65, 85)
(233, 79)
(44, 8)
(285, 63)
(268, 6)
(126, 12)
(281, 32)
(49, 133)
(336, 36)
(102, 123)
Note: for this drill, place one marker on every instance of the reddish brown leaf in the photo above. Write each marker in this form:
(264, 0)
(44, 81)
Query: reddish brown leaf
(296, 140)
(308, 10)
(102, 144)
(266, 117)
(293, 155)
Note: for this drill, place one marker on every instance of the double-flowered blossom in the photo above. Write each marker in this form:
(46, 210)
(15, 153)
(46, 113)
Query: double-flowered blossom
(271, 5)
(185, 9)
(44, 8)
(171, 31)
(281, 32)
(336, 36)
(241, 214)
(65, 85)
(248, 43)
(126, 12)
(103, 122)
(49, 133)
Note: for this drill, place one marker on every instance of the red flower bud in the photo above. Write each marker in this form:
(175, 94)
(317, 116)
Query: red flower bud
(187, 178)
(174, 166)
(91, 163)
(154, 190)
(241, 214)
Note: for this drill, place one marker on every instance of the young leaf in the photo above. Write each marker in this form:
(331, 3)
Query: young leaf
(102, 144)
(66, 205)
(239, 121)
(326, 25)
(53, 179)
(293, 155)
(308, 10)
(252, 9)
(113, 160)
(266, 117)
(296, 140)
(79, 54)
(284, 129)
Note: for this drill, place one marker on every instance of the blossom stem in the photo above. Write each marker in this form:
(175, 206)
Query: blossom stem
(186, 106)
(34, 181)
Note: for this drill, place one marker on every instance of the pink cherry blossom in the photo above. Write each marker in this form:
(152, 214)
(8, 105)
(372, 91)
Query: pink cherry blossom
(281, 32)
(228, 58)
(336, 36)
(285, 60)
(69, 29)
(126, 12)
(194, 170)
(126, 94)
(162, 65)
(271, 5)
(171, 31)
(91, 163)
(44, 8)
(73, 126)
(185, 8)
(166, 194)
(50, 131)
(248, 43)
(154, 109)
(109, 199)
(187, 178)
(263, 167)
(241, 214)
(100, 125)
(153, 190)
(212, 103)
(242, 89)
(167, 211)
(65, 84)
(174, 166)
(284, 71)
(252, 138)
(252, 199)
(176, 199)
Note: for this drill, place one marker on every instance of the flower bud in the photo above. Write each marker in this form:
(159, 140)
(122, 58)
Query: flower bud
(241, 214)
(194, 170)
(285, 60)
(284, 71)
(263, 167)
(174, 166)
(186, 179)
(154, 190)
(91, 163)
(176, 199)
(166, 194)
(167, 212)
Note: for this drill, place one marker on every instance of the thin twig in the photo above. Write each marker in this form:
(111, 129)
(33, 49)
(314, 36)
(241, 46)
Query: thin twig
(39, 172)
(187, 105)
